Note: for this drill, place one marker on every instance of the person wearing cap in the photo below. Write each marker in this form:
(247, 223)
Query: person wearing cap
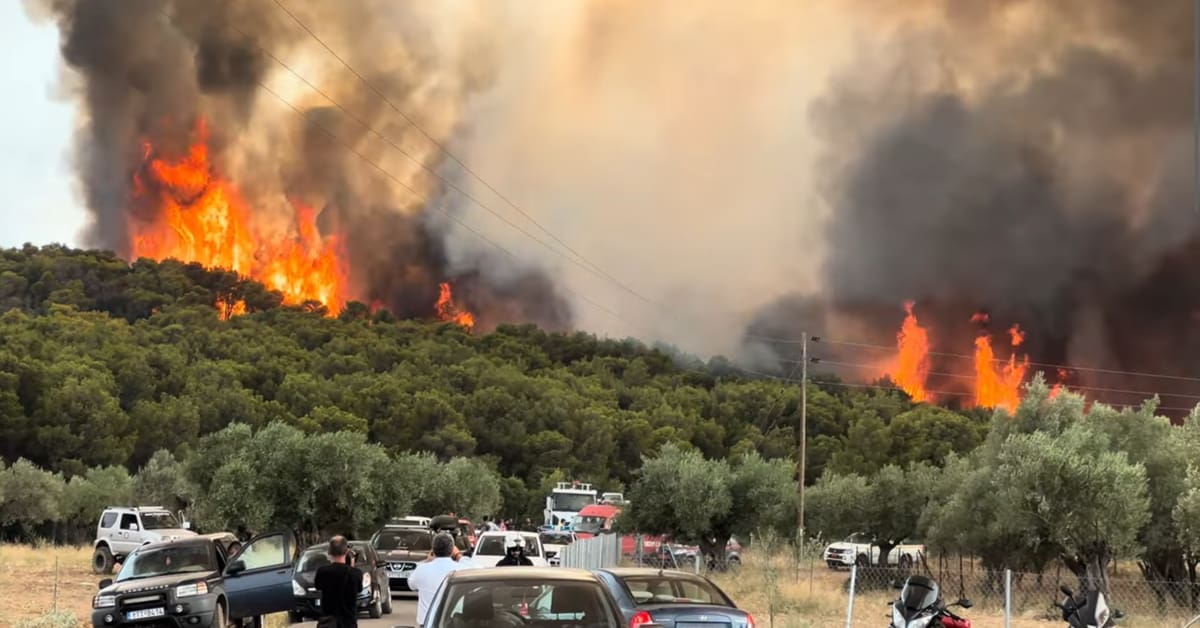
(428, 576)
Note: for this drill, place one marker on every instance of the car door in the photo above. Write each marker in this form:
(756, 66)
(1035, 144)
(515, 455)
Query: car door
(259, 581)
(125, 538)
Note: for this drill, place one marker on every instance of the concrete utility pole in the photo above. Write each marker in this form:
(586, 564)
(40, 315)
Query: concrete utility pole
(804, 359)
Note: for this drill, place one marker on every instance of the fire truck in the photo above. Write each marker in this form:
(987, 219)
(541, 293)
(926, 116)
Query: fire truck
(565, 501)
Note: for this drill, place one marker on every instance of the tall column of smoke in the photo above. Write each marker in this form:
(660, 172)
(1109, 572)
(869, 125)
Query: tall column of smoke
(767, 168)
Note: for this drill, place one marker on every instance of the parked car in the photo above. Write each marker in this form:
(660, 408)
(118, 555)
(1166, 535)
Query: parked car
(519, 597)
(189, 582)
(671, 598)
(553, 543)
(121, 530)
(416, 522)
(374, 599)
(493, 545)
(860, 550)
(402, 548)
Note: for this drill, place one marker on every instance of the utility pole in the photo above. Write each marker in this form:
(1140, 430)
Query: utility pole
(804, 359)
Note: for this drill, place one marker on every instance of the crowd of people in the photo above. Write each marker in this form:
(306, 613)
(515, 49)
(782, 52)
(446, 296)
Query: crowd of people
(340, 581)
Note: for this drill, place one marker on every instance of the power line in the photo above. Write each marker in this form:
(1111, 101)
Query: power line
(582, 261)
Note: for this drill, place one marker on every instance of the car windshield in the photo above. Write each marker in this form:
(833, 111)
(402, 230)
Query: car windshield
(588, 524)
(412, 540)
(552, 538)
(147, 563)
(497, 544)
(515, 603)
(159, 521)
(315, 558)
(572, 503)
(667, 589)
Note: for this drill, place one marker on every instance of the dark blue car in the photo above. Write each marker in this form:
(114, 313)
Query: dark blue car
(671, 598)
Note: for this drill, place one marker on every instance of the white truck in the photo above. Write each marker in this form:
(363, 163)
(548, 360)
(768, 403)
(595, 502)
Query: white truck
(124, 529)
(859, 550)
(565, 501)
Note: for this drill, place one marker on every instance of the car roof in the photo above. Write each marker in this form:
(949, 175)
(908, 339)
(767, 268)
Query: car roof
(523, 573)
(626, 572)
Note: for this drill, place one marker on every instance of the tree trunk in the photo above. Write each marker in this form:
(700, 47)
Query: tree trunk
(884, 550)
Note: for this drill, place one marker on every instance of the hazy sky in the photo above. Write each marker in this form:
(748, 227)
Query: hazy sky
(40, 202)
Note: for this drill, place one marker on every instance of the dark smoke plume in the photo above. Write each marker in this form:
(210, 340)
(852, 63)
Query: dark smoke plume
(1028, 159)
(146, 70)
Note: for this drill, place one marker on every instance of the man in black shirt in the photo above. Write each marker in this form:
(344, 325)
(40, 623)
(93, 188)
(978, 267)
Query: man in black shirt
(339, 584)
(515, 555)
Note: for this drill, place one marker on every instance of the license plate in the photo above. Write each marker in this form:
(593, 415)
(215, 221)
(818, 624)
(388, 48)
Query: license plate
(399, 574)
(146, 613)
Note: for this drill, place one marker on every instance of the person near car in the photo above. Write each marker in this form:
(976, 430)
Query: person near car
(428, 576)
(514, 555)
(243, 535)
(339, 583)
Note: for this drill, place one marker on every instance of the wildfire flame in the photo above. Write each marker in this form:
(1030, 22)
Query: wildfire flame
(228, 309)
(998, 383)
(451, 312)
(200, 217)
(912, 362)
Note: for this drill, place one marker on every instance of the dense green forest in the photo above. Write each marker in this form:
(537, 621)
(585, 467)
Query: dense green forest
(103, 363)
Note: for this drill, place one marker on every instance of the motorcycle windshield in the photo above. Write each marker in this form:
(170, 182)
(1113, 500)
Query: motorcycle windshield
(919, 593)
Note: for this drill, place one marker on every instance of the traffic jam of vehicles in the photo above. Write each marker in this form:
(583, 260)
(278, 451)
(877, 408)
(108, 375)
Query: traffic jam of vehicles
(159, 572)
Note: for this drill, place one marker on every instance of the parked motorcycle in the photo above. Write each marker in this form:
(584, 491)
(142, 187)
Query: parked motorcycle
(1087, 610)
(920, 606)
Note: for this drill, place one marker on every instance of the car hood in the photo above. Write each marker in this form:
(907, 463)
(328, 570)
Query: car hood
(158, 583)
(306, 579)
(403, 555)
(171, 533)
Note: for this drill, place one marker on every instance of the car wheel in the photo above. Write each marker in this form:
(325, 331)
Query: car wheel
(862, 560)
(102, 560)
(387, 602)
(906, 562)
(221, 618)
(376, 610)
(733, 562)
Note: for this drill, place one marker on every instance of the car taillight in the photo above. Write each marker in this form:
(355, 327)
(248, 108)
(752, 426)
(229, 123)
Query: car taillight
(749, 620)
(640, 618)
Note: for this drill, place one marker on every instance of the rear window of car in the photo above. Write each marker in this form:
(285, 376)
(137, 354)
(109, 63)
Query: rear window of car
(546, 603)
(413, 540)
(666, 589)
(108, 520)
(311, 561)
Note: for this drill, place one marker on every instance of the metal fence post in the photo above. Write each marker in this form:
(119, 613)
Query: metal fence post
(1007, 598)
(850, 603)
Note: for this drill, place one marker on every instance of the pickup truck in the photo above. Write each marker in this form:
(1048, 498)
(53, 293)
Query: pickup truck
(859, 550)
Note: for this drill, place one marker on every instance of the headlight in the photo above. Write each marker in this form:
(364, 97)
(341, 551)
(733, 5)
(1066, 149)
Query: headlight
(366, 581)
(189, 590)
(104, 601)
(297, 590)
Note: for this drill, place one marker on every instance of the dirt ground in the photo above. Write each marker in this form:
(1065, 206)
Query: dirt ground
(29, 586)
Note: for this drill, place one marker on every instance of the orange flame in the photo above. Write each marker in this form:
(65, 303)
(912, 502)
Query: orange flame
(228, 309)
(999, 387)
(912, 363)
(451, 312)
(1060, 386)
(201, 217)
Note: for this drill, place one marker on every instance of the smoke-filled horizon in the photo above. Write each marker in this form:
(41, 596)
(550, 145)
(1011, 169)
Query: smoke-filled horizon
(762, 170)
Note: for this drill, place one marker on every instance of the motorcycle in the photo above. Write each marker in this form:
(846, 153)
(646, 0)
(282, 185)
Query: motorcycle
(920, 606)
(1088, 610)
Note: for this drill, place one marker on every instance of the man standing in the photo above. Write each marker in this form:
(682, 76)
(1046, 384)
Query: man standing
(428, 576)
(339, 584)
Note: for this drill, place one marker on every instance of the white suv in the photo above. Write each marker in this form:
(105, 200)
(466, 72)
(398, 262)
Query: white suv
(122, 530)
(492, 546)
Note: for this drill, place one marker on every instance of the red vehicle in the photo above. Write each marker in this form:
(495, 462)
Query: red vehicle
(599, 519)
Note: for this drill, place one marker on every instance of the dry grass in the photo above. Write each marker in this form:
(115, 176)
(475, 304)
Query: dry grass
(815, 597)
(27, 582)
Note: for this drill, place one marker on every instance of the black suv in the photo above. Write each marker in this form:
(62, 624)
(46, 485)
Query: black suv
(190, 583)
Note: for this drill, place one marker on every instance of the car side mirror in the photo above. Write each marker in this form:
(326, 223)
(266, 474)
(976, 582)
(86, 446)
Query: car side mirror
(965, 603)
(235, 568)
(105, 583)
(187, 525)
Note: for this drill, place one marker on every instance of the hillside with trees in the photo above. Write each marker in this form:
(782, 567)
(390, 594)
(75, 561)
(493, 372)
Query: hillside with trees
(108, 367)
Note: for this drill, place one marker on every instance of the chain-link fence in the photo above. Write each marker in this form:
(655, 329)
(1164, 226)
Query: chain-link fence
(1022, 597)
